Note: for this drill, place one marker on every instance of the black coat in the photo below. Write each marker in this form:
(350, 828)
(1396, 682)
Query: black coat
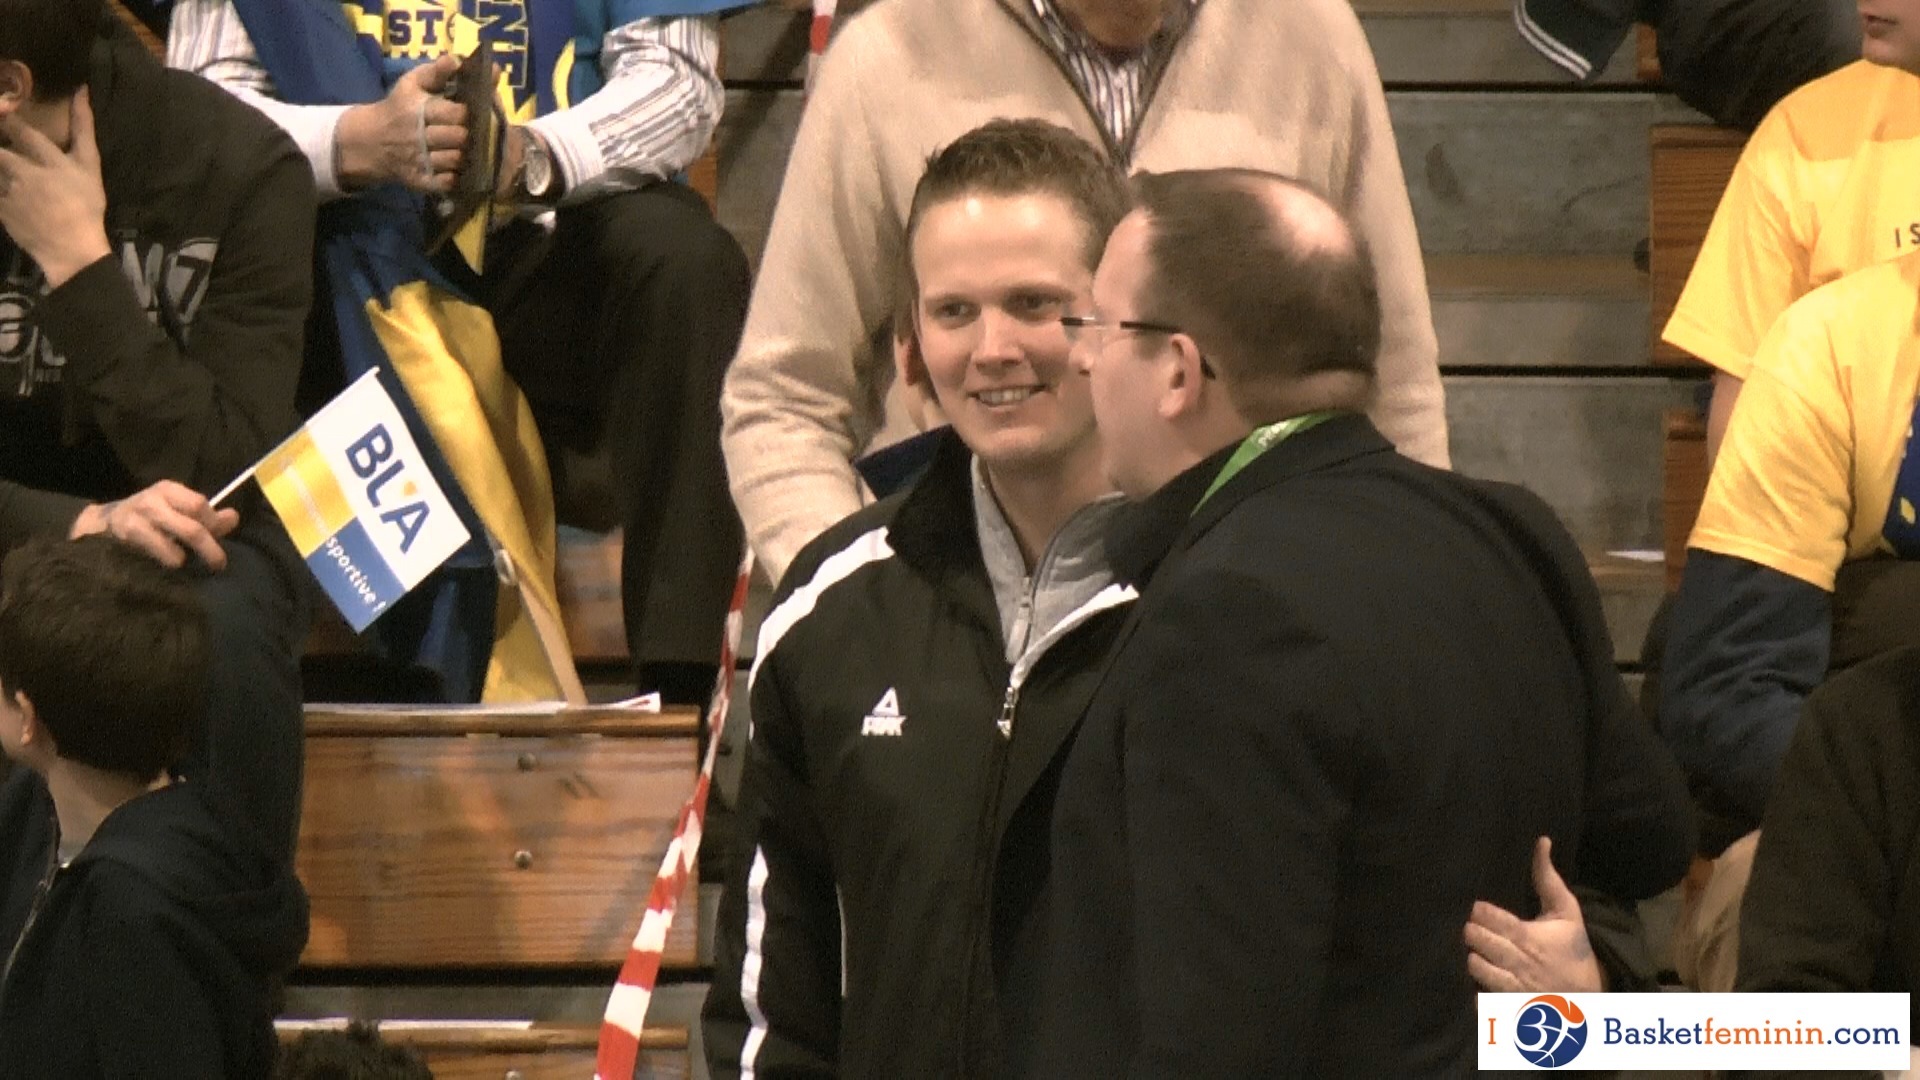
(1834, 901)
(154, 953)
(886, 913)
(1354, 691)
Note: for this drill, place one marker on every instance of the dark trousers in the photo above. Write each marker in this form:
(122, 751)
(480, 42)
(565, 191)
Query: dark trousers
(251, 751)
(1733, 59)
(619, 326)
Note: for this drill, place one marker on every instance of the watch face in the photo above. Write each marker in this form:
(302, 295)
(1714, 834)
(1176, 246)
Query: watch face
(539, 171)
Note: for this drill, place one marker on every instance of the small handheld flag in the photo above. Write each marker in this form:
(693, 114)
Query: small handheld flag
(359, 503)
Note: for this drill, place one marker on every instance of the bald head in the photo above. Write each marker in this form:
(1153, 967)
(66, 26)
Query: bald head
(1312, 223)
(1268, 279)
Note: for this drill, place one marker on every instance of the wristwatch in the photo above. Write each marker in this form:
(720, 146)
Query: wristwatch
(537, 180)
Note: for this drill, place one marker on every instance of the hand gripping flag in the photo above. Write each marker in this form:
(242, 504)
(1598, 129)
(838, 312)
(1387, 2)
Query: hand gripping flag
(359, 502)
(435, 349)
(488, 621)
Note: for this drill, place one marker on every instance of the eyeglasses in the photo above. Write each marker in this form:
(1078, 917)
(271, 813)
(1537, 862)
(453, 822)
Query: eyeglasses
(1091, 328)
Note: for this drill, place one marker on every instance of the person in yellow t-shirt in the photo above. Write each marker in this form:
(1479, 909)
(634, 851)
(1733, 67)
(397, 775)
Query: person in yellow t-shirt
(1824, 188)
(1814, 474)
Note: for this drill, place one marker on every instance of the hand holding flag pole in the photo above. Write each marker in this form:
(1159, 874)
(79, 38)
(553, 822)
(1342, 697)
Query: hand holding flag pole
(169, 521)
(233, 485)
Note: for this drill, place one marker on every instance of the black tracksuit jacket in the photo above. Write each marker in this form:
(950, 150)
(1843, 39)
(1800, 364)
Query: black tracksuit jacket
(860, 935)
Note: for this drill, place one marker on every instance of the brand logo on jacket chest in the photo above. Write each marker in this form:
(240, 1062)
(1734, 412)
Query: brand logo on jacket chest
(885, 718)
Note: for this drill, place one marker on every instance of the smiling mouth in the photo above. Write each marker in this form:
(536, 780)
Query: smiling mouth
(1010, 396)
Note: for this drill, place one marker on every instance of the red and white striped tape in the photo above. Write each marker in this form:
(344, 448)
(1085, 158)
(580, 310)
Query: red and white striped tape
(627, 1006)
(818, 34)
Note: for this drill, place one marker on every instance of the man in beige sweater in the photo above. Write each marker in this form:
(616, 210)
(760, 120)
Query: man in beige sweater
(1161, 84)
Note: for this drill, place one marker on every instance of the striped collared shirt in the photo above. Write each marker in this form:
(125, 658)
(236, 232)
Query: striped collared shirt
(654, 115)
(1116, 86)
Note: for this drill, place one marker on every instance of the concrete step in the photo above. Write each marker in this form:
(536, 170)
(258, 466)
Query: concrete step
(1538, 311)
(1590, 446)
(1488, 172)
(1630, 592)
(1529, 173)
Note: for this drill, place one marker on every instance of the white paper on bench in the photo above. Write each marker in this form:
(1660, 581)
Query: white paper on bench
(1639, 555)
(645, 703)
(339, 1023)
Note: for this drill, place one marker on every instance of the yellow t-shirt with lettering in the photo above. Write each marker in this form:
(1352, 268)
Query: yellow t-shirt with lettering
(1829, 184)
(1806, 477)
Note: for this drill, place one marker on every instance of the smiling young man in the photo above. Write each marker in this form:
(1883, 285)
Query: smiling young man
(1156, 84)
(926, 662)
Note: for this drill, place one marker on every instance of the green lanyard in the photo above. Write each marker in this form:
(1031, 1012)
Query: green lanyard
(1259, 442)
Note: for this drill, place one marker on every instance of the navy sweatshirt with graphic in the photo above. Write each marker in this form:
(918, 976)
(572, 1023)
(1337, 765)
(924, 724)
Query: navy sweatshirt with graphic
(176, 357)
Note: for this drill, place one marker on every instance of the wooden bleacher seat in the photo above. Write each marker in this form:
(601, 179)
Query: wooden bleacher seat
(1685, 484)
(588, 581)
(441, 843)
(1647, 51)
(140, 29)
(451, 839)
(1691, 164)
(490, 1051)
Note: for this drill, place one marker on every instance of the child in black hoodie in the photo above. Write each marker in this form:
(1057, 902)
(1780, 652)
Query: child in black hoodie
(156, 935)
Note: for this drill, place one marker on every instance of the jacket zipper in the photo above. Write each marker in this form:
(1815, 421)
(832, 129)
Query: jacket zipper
(33, 915)
(985, 851)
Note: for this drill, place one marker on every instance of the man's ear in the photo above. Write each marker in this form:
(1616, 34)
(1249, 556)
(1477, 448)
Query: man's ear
(911, 368)
(908, 364)
(16, 86)
(1182, 382)
(32, 731)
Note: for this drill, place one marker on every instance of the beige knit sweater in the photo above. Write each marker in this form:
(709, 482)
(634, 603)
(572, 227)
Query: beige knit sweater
(1283, 85)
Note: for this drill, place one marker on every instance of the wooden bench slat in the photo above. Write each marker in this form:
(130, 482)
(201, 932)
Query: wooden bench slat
(1691, 166)
(140, 30)
(493, 1035)
(1684, 487)
(458, 852)
(352, 721)
(489, 1050)
(1465, 274)
(1647, 53)
(556, 1065)
(587, 581)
